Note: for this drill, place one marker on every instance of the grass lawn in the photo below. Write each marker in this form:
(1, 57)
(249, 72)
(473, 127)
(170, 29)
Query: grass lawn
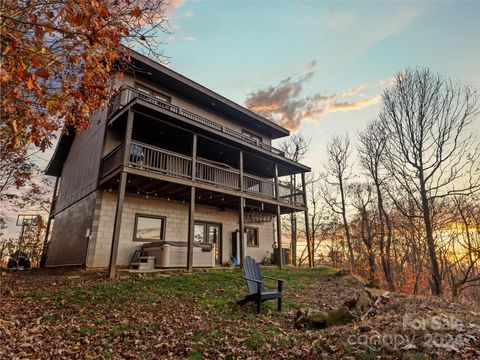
(73, 314)
(178, 315)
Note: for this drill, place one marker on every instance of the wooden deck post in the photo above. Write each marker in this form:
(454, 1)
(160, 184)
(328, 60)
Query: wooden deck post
(112, 266)
(310, 250)
(194, 157)
(241, 211)
(191, 228)
(241, 229)
(279, 220)
(279, 237)
(240, 170)
(293, 224)
(191, 207)
(128, 137)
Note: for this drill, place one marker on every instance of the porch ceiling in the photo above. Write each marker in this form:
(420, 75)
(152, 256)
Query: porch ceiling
(148, 188)
(171, 137)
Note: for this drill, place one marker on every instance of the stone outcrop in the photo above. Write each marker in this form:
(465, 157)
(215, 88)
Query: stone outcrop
(369, 298)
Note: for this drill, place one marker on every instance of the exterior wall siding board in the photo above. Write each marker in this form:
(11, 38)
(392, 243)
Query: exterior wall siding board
(80, 170)
(68, 245)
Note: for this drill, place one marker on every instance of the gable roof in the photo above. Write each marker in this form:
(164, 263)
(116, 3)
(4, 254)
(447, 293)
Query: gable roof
(54, 167)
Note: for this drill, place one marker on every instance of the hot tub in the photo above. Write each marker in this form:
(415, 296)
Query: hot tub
(171, 254)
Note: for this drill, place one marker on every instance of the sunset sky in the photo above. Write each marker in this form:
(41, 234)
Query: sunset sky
(317, 67)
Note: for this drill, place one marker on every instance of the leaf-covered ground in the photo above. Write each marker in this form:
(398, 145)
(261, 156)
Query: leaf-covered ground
(76, 314)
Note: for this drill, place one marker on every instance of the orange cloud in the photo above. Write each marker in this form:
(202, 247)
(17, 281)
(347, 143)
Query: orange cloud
(355, 105)
(284, 104)
(270, 107)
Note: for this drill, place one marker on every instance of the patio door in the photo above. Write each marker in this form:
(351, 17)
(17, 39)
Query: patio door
(210, 233)
(215, 237)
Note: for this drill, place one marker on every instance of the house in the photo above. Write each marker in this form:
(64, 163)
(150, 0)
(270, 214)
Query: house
(175, 164)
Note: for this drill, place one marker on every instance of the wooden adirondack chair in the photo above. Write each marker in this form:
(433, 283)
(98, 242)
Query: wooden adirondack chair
(256, 287)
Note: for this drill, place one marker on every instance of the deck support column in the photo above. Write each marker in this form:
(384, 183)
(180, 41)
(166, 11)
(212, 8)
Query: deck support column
(112, 266)
(49, 222)
(279, 237)
(241, 211)
(311, 250)
(128, 137)
(191, 207)
(279, 220)
(191, 229)
(241, 229)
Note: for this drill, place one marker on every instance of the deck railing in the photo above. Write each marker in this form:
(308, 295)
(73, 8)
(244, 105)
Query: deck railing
(129, 93)
(151, 158)
(289, 194)
(159, 160)
(217, 175)
(112, 160)
(259, 186)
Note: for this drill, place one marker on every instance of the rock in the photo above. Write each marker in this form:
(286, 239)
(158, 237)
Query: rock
(310, 318)
(368, 299)
(347, 278)
(318, 319)
(339, 317)
(375, 293)
(363, 303)
(315, 319)
(343, 272)
(373, 283)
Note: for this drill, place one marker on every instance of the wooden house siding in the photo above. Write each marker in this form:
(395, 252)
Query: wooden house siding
(80, 171)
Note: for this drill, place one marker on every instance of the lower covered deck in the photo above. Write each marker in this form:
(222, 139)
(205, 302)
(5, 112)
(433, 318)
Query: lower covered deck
(196, 226)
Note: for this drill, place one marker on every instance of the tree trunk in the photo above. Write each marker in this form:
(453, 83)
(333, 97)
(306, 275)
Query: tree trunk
(384, 248)
(437, 280)
(345, 225)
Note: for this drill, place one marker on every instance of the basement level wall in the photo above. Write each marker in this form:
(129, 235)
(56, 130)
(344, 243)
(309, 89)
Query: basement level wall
(176, 228)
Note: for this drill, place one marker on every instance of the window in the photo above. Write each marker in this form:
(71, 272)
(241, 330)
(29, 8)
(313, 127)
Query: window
(149, 228)
(199, 233)
(251, 234)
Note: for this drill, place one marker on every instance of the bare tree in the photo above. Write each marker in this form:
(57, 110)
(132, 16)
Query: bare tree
(338, 173)
(371, 150)
(295, 148)
(362, 201)
(430, 151)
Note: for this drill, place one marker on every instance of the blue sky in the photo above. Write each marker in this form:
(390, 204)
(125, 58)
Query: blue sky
(323, 63)
(350, 50)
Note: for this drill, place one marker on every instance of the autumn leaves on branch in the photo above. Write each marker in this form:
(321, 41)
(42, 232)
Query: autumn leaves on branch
(58, 61)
